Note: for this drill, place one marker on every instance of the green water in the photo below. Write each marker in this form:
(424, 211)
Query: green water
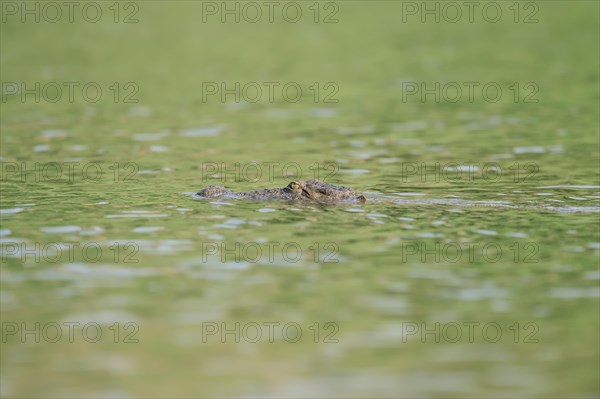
(482, 216)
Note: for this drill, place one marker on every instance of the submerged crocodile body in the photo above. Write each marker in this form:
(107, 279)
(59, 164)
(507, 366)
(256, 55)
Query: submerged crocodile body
(310, 190)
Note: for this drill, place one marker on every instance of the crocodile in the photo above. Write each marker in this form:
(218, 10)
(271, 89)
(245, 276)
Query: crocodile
(298, 190)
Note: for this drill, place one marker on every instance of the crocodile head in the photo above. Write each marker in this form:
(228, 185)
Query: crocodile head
(298, 189)
(311, 190)
(213, 191)
(315, 190)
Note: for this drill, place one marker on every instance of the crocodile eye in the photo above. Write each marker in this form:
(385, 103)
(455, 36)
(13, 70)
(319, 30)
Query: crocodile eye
(294, 185)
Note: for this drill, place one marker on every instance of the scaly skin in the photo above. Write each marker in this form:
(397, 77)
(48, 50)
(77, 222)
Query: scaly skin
(311, 190)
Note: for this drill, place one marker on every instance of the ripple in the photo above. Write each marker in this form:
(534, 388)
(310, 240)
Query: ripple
(92, 231)
(455, 202)
(485, 232)
(61, 229)
(388, 160)
(411, 126)
(488, 291)
(280, 113)
(516, 234)
(137, 215)
(355, 130)
(529, 150)
(158, 247)
(364, 155)
(575, 292)
(430, 235)
(517, 376)
(323, 112)
(573, 209)
(408, 194)
(102, 317)
(355, 171)
(385, 304)
(147, 229)
(212, 268)
(140, 111)
(53, 133)
(462, 168)
(221, 203)
(592, 275)
(158, 148)
(232, 223)
(433, 274)
(78, 147)
(571, 186)
(84, 271)
(207, 131)
(149, 136)
(377, 215)
(355, 210)
(8, 300)
(359, 144)
(225, 226)
(384, 336)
